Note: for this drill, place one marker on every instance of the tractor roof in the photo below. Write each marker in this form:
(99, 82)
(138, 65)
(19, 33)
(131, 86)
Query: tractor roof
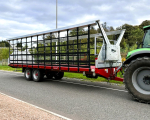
(146, 27)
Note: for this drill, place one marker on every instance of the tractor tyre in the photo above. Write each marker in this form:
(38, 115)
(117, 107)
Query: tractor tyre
(137, 79)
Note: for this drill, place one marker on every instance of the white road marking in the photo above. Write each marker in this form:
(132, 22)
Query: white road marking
(10, 71)
(93, 86)
(38, 107)
(78, 83)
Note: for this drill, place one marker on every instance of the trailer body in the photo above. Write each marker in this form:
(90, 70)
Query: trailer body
(69, 49)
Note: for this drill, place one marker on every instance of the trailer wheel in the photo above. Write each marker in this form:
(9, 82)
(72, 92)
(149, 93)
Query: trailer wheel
(28, 74)
(58, 75)
(50, 75)
(137, 79)
(37, 75)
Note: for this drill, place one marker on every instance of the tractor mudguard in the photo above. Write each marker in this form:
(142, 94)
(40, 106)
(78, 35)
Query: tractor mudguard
(132, 56)
(136, 54)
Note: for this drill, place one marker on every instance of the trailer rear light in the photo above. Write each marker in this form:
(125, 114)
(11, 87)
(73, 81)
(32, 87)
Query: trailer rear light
(106, 70)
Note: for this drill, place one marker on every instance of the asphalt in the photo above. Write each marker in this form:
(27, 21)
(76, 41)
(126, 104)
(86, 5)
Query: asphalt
(75, 99)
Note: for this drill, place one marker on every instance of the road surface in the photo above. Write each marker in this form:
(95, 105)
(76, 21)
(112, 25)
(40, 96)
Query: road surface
(78, 100)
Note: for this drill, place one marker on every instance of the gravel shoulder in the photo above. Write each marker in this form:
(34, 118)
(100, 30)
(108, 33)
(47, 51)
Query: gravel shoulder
(13, 109)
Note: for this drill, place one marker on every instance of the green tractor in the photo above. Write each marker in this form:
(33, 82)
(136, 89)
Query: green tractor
(137, 70)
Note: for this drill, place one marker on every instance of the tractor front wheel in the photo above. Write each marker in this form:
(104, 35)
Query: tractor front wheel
(137, 79)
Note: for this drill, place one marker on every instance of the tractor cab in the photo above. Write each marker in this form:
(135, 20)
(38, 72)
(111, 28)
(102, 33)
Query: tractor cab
(146, 39)
(143, 48)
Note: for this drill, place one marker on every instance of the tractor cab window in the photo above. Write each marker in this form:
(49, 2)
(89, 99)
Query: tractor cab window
(146, 41)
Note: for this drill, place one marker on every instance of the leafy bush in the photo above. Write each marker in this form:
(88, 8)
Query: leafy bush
(4, 53)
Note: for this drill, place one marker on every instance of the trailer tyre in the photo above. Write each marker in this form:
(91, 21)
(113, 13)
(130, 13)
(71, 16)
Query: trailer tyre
(58, 75)
(37, 75)
(137, 79)
(50, 75)
(28, 74)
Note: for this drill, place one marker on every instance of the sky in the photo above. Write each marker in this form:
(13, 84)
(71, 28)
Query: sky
(21, 17)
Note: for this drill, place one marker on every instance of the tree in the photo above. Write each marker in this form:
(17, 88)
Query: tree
(4, 53)
(19, 44)
(105, 26)
(111, 28)
(136, 36)
(24, 48)
(123, 43)
(128, 30)
(144, 23)
(133, 34)
(4, 44)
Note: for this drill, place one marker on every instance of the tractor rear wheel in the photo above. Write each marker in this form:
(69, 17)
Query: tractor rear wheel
(137, 79)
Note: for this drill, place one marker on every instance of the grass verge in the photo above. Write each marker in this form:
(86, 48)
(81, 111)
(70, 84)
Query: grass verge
(80, 76)
(71, 75)
(7, 68)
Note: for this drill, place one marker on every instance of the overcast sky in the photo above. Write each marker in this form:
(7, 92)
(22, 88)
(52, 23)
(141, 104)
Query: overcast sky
(20, 17)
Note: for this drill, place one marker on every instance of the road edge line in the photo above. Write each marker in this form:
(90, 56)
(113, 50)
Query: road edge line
(10, 71)
(37, 107)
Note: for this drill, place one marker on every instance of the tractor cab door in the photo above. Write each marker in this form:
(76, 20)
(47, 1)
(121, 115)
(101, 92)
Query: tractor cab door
(146, 40)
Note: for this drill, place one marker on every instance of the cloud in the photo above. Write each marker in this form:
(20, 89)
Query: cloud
(19, 17)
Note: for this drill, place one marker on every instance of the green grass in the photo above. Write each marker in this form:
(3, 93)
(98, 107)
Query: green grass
(7, 68)
(71, 75)
(99, 79)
